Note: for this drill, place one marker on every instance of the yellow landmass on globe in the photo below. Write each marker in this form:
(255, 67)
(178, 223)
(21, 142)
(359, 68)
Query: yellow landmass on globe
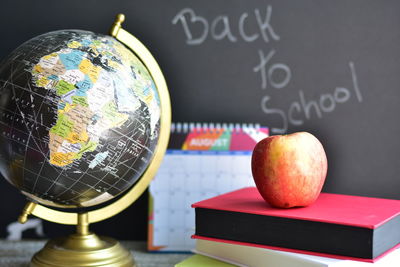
(68, 107)
(74, 44)
(74, 137)
(42, 82)
(62, 159)
(37, 68)
(49, 56)
(89, 69)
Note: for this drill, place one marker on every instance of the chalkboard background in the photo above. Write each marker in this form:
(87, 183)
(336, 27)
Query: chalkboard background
(327, 67)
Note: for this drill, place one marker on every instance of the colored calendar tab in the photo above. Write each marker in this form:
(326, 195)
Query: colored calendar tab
(224, 139)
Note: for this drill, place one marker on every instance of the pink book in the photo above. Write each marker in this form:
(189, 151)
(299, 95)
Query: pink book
(340, 226)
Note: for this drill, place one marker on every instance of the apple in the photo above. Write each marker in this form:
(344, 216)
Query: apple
(289, 170)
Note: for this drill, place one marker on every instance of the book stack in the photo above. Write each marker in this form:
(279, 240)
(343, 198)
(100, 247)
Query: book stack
(337, 230)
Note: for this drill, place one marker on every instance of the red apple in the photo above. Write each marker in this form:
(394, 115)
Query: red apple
(289, 170)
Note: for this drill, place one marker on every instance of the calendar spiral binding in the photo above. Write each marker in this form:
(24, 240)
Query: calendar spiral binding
(235, 128)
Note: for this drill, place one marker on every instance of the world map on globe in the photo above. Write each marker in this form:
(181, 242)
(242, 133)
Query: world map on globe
(79, 118)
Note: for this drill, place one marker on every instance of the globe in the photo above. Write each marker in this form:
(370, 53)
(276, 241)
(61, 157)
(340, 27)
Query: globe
(79, 118)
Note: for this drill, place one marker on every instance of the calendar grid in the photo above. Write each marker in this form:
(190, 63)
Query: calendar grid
(184, 179)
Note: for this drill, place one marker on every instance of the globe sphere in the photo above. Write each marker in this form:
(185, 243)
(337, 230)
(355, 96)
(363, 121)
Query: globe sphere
(79, 118)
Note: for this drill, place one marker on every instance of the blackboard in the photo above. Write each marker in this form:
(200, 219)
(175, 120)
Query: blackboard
(327, 67)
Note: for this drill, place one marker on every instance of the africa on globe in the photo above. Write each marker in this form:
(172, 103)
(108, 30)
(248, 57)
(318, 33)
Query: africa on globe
(79, 118)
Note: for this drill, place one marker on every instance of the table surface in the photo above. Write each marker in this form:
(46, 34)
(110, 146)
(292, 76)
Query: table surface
(19, 253)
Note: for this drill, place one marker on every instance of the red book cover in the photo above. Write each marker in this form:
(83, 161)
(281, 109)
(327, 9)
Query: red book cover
(346, 226)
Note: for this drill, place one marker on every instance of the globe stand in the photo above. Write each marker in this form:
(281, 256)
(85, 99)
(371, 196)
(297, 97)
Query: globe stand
(84, 248)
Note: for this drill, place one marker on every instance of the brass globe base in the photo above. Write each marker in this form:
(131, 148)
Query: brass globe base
(83, 251)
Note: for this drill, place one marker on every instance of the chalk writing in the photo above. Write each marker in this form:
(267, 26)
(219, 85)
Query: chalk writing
(197, 28)
(269, 74)
(222, 21)
(193, 19)
(305, 108)
(272, 75)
